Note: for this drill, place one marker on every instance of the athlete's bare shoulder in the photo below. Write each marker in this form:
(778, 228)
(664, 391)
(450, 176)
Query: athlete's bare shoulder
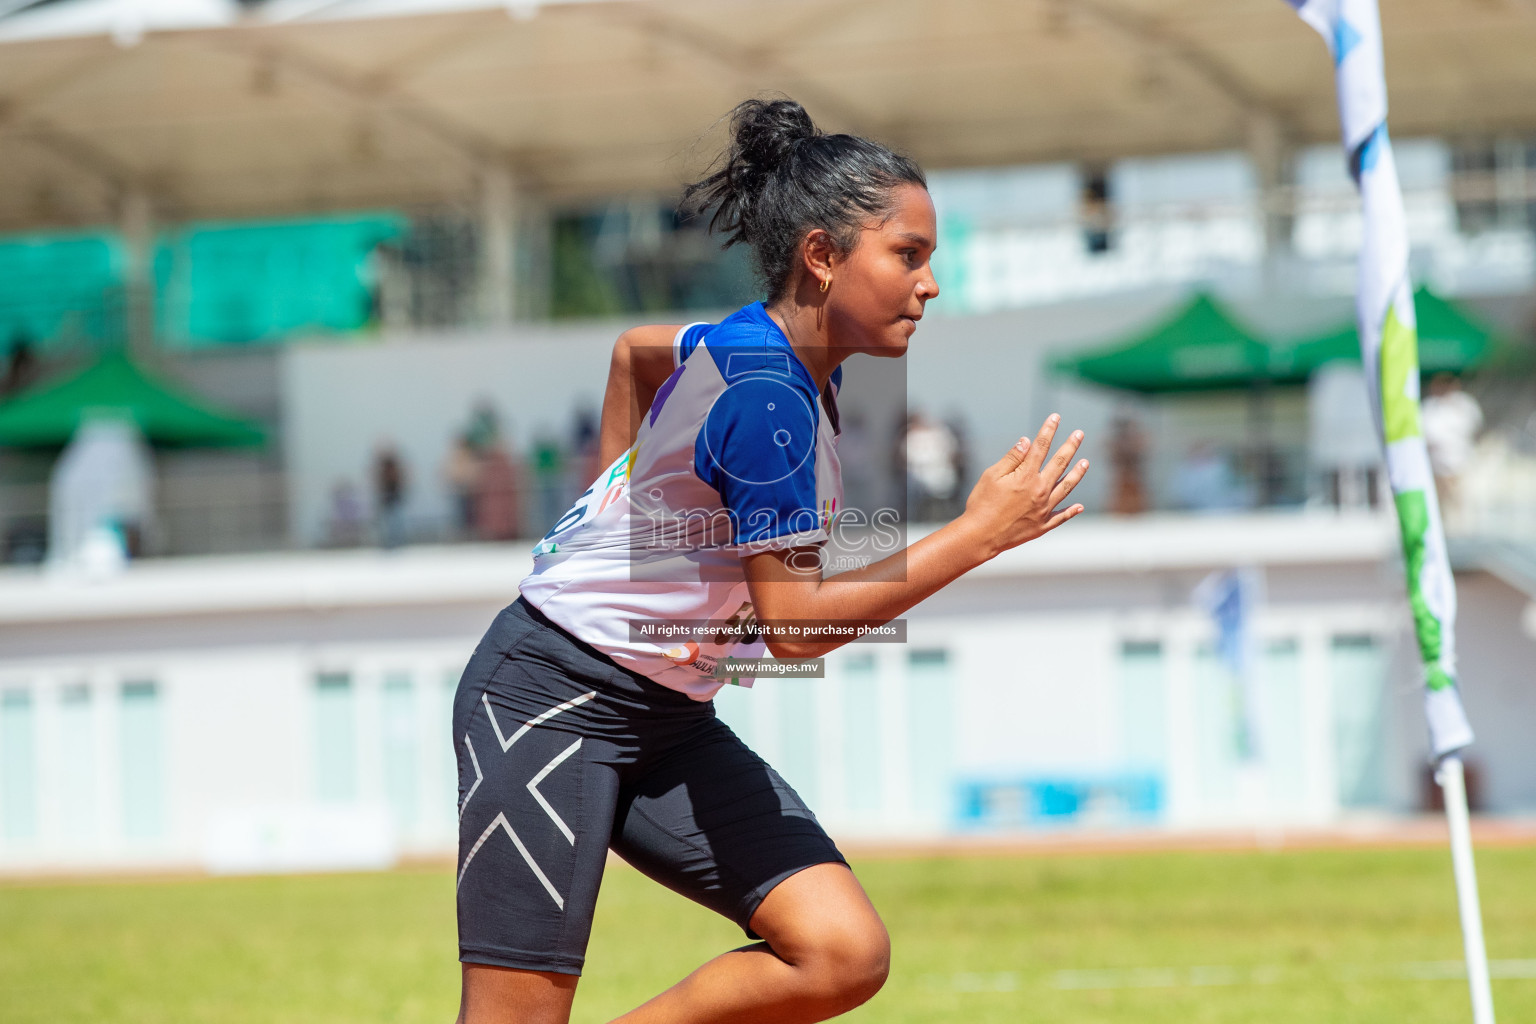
(648, 335)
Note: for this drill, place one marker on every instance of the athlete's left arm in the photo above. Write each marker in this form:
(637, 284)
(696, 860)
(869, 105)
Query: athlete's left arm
(1017, 499)
(642, 362)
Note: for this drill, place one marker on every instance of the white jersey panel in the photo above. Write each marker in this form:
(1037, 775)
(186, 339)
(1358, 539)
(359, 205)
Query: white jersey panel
(737, 454)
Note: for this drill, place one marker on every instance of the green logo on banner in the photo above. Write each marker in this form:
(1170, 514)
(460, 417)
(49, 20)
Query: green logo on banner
(1399, 362)
(1413, 517)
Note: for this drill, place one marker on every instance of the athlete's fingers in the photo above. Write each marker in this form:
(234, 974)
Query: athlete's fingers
(1065, 485)
(1037, 451)
(1061, 517)
(1012, 457)
(1063, 456)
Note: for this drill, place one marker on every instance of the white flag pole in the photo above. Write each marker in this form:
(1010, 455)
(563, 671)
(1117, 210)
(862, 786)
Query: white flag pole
(1453, 784)
(1389, 350)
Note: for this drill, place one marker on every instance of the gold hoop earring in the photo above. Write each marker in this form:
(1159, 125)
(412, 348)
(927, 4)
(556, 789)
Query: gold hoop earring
(826, 283)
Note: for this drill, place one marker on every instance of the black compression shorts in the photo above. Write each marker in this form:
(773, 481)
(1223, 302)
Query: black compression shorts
(563, 754)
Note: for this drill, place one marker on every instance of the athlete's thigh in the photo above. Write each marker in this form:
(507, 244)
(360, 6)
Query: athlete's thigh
(715, 822)
(501, 995)
(537, 787)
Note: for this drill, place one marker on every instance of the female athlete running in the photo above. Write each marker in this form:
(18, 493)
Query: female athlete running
(584, 722)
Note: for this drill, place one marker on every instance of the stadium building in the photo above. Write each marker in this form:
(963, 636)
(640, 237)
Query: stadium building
(374, 228)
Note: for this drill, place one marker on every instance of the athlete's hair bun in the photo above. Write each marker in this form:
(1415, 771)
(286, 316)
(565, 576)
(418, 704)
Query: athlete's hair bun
(764, 133)
(781, 176)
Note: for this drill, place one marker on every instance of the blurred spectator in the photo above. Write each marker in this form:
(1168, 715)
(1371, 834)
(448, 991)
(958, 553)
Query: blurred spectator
(484, 427)
(1096, 210)
(929, 449)
(1127, 463)
(101, 495)
(1204, 481)
(20, 367)
(462, 474)
(26, 540)
(1450, 419)
(498, 498)
(344, 525)
(549, 482)
(389, 484)
(584, 437)
(382, 274)
(961, 460)
(1341, 434)
(899, 489)
(853, 454)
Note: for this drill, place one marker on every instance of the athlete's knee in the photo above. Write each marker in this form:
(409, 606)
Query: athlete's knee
(848, 962)
(821, 923)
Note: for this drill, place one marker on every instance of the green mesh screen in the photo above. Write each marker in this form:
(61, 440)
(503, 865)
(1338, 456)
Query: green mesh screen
(59, 289)
(259, 282)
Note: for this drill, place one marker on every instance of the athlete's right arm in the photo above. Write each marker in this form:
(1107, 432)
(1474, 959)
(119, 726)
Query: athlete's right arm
(642, 362)
(1016, 500)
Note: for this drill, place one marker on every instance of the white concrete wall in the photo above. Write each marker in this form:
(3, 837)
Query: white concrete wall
(1033, 690)
(1497, 668)
(341, 402)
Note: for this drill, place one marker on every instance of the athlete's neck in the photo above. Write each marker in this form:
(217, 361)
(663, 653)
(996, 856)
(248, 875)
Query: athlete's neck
(808, 337)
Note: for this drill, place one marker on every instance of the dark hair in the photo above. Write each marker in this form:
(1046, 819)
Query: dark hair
(782, 176)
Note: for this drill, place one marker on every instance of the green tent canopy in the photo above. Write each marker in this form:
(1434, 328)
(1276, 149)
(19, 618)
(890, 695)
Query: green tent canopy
(46, 415)
(1449, 341)
(1200, 348)
(1203, 348)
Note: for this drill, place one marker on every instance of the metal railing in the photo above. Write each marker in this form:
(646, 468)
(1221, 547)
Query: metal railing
(212, 513)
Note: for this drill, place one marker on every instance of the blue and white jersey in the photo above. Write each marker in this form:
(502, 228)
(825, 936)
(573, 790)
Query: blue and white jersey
(737, 454)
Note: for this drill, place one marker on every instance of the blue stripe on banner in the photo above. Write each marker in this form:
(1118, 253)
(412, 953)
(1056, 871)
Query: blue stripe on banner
(1369, 154)
(1345, 39)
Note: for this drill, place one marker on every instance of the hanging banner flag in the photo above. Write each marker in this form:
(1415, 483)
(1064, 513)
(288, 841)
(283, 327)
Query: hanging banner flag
(1389, 347)
(1231, 598)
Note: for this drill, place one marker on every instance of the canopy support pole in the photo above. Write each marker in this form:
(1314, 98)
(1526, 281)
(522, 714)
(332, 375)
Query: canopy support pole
(533, 271)
(498, 240)
(1270, 152)
(1453, 784)
(136, 225)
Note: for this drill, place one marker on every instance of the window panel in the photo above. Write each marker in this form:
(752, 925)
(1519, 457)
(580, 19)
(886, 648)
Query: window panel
(335, 738)
(18, 765)
(141, 744)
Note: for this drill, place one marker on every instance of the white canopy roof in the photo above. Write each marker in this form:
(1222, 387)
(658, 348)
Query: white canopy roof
(211, 108)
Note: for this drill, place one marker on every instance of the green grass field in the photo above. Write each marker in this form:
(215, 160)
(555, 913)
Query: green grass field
(1356, 936)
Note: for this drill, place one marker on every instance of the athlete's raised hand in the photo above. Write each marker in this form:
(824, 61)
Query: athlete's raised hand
(1019, 497)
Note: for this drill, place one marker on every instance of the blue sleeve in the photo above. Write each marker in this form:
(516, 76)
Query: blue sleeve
(687, 340)
(757, 448)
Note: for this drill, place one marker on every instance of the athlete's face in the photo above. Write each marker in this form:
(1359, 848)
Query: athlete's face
(879, 290)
